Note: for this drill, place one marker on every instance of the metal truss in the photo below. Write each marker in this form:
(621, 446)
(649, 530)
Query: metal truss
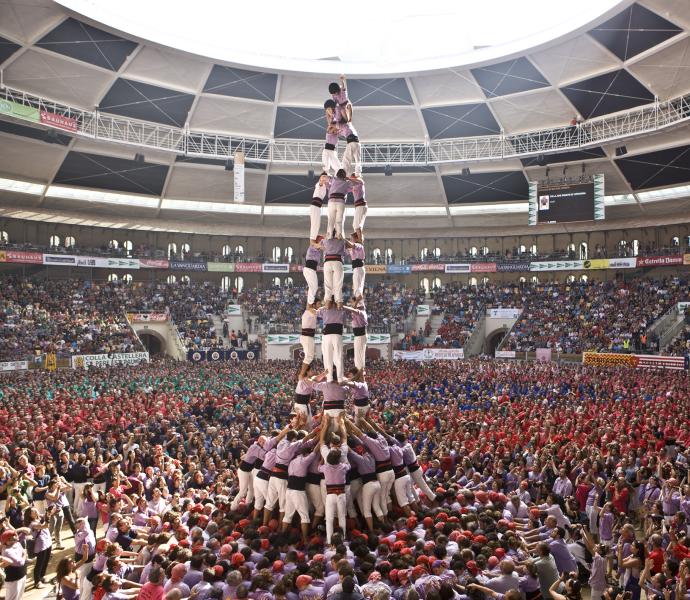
(636, 122)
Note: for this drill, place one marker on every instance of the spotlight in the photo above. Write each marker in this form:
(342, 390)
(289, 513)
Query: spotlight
(541, 160)
(621, 151)
(466, 172)
(388, 171)
(310, 174)
(229, 164)
(139, 158)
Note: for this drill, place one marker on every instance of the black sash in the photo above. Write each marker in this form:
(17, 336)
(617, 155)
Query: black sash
(296, 483)
(311, 264)
(245, 466)
(357, 263)
(333, 328)
(359, 331)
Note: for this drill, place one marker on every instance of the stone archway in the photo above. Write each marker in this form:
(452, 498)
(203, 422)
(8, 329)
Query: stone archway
(154, 342)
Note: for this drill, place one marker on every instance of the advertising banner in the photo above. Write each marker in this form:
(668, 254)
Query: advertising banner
(19, 111)
(483, 267)
(429, 267)
(423, 310)
(399, 269)
(14, 365)
(29, 258)
(296, 268)
(637, 361)
(275, 268)
(187, 265)
(622, 263)
(59, 121)
(544, 354)
(91, 261)
(101, 262)
(518, 266)
(247, 267)
(221, 267)
(596, 263)
(154, 263)
(375, 269)
(659, 261)
(429, 354)
(233, 310)
(686, 259)
(221, 355)
(504, 354)
(3, 256)
(59, 259)
(84, 361)
(457, 268)
(503, 313)
(151, 317)
(556, 265)
(283, 339)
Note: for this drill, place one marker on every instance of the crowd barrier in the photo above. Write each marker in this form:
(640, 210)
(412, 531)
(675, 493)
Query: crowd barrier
(520, 266)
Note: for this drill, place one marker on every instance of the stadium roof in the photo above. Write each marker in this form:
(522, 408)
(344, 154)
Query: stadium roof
(631, 56)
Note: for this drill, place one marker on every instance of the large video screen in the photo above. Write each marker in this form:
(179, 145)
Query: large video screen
(566, 202)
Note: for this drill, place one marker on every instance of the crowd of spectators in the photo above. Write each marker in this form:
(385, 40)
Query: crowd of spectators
(549, 479)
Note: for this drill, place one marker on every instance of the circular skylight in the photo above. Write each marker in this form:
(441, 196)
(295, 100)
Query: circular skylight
(359, 37)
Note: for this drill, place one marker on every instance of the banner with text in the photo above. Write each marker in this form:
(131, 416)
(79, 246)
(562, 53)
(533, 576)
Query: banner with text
(283, 339)
(483, 267)
(429, 267)
(19, 111)
(622, 263)
(233, 310)
(517, 266)
(59, 121)
(659, 261)
(503, 313)
(154, 263)
(686, 259)
(457, 268)
(635, 361)
(221, 267)
(423, 310)
(375, 269)
(275, 268)
(29, 258)
(504, 354)
(399, 269)
(556, 265)
(84, 361)
(150, 317)
(99, 262)
(14, 365)
(429, 354)
(544, 354)
(187, 265)
(247, 267)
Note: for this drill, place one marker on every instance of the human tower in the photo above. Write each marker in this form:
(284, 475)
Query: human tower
(330, 468)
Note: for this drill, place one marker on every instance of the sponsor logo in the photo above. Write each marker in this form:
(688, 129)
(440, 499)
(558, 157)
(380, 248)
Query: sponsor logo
(275, 268)
(153, 263)
(59, 121)
(16, 256)
(659, 261)
(187, 265)
(375, 269)
(59, 259)
(483, 268)
(457, 268)
(513, 267)
(248, 267)
(429, 267)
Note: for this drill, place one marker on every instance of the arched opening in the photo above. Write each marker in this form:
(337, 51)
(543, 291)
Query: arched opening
(533, 249)
(675, 241)
(473, 281)
(185, 251)
(570, 278)
(171, 279)
(185, 280)
(113, 277)
(113, 244)
(225, 283)
(485, 250)
(522, 280)
(622, 248)
(494, 340)
(424, 253)
(226, 250)
(172, 250)
(485, 280)
(127, 278)
(437, 253)
(153, 344)
(473, 251)
(239, 250)
(287, 254)
(289, 282)
(535, 279)
(4, 237)
(635, 244)
(436, 283)
(128, 247)
(276, 281)
(275, 254)
(570, 249)
(54, 241)
(584, 278)
(70, 242)
(424, 284)
(389, 256)
(376, 255)
(522, 249)
(239, 284)
(584, 250)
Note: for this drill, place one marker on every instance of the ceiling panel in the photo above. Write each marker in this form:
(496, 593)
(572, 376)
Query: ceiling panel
(608, 93)
(379, 92)
(29, 159)
(23, 21)
(86, 43)
(299, 90)
(147, 102)
(190, 182)
(110, 173)
(230, 115)
(657, 169)
(633, 31)
(299, 122)
(565, 157)
(450, 87)
(465, 120)
(388, 124)
(486, 187)
(241, 83)
(573, 60)
(291, 189)
(7, 49)
(510, 77)
(667, 72)
(529, 112)
(166, 68)
(51, 76)
(35, 133)
(404, 190)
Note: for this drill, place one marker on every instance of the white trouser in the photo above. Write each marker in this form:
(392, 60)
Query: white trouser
(330, 163)
(352, 159)
(312, 279)
(336, 218)
(418, 477)
(78, 498)
(360, 217)
(386, 479)
(332, 351)
(308, 347)
(352, 491)
(14, 590)
(335, 503)
(333, 277)
(296, 502)
(276, 494)
(593, 515)
(245, 482)
(401, 487)
(260, 491)
(369, 499)
(360, 350)
(85, 586)
(316, 499)
(358, 282)
(314, 221)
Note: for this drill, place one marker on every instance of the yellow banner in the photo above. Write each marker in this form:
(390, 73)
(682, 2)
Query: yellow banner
(686, 259)
(51, 361)
(3, 256)
(375, 269)
(608, 359)
(596, 263)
